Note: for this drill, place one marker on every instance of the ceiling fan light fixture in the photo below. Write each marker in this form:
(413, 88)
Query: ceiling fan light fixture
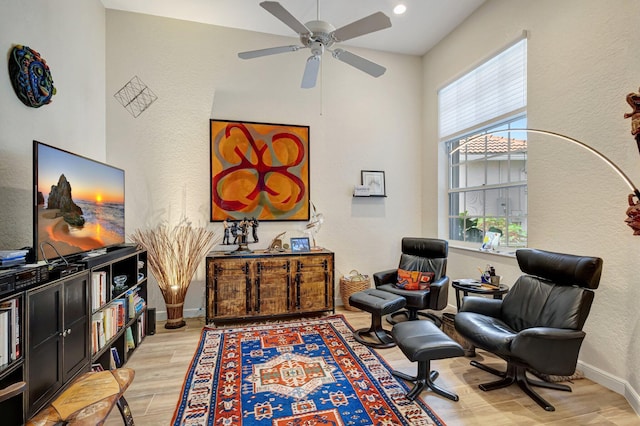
(318, 36)
(400, 9)
(317, 49)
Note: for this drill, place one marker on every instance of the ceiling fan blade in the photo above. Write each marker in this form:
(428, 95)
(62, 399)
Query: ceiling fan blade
(359, 62)
(269, 51)
(277, 10)
(311, 72)
(376, 22)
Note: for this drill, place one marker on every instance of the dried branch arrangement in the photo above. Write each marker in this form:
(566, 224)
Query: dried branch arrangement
(174, 254)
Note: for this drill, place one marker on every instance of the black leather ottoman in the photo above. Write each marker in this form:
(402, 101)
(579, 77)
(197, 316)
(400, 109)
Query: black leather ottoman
(423, 341)
(379, 303)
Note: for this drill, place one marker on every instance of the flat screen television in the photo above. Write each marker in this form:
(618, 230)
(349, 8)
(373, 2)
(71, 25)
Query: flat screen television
(78, 204)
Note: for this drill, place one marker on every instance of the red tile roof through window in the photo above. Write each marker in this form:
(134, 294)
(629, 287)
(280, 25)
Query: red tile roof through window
(495, 145)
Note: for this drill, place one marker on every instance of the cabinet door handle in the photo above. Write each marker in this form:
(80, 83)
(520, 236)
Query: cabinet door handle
(248, 294)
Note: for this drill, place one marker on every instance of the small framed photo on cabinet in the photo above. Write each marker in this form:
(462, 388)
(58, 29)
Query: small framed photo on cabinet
(374, 180)
(299, 245)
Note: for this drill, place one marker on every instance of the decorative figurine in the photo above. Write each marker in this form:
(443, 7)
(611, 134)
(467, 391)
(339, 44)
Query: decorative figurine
(239, 230)
(254, 228)
(234, 232)
(227, 231)
(276, 244)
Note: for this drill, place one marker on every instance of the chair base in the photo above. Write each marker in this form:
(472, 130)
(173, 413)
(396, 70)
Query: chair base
(413, 315)
(518, 374)
(424, 379)
(383, 337)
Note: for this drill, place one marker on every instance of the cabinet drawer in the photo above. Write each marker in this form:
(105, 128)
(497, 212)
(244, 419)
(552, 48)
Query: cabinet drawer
(230, 268)
(310, 263)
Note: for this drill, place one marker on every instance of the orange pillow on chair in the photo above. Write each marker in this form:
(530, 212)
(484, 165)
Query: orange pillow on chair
(414, 280)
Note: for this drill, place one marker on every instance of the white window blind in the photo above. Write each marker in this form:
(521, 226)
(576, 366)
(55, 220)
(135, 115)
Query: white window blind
(494, 89)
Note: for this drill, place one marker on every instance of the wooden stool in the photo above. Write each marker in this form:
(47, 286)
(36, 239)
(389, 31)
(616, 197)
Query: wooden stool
(89, 400)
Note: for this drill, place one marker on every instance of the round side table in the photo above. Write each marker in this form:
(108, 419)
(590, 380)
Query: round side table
(484, 289)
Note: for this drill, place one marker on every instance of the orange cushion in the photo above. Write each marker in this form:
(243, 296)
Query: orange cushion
(414, 280)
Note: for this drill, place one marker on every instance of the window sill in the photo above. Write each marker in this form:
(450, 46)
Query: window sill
(502, 253)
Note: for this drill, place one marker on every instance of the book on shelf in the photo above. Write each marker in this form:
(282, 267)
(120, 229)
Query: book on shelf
(120, 307)
(13, 333)
(107, 322)
(136, 302)
(98, 289)
(5, 353)
(98, 338)
(142, 327)
(131, 344)
(115, 359)
(97, 367)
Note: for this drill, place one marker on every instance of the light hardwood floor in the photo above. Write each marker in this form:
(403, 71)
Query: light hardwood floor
(162, 361)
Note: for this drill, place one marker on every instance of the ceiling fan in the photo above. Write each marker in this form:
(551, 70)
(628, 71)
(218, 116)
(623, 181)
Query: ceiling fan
(319, 36)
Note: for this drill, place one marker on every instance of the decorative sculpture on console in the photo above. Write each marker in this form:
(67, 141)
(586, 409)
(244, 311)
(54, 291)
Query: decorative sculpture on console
(239, 230)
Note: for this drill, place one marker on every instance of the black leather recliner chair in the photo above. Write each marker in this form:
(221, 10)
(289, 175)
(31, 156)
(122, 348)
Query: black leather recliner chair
(425, 255)
(538, 324)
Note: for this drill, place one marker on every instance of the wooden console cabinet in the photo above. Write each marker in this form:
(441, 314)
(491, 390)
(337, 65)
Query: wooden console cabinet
(263, 285)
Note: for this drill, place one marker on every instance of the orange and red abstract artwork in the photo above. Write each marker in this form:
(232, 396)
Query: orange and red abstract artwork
(259, 170)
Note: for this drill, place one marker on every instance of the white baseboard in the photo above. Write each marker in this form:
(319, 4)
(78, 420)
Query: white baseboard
(613, 383)
(188, 313)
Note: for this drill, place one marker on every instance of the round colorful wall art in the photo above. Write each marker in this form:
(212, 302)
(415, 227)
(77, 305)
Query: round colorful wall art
(30, 77)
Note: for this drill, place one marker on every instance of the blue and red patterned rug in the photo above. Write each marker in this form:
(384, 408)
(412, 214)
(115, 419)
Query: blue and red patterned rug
(302, 373)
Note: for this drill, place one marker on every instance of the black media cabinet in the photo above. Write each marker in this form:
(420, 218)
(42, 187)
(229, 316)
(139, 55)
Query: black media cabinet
(55, 328)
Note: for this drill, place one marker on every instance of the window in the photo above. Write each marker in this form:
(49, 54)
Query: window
(487, 160)
(488, 185)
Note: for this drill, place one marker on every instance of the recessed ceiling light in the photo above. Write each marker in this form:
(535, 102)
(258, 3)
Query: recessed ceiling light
(400, 9)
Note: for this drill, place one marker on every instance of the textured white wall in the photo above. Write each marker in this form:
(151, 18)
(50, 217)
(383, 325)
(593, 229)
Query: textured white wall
(357, 123)
(75, 119)
(582, 61)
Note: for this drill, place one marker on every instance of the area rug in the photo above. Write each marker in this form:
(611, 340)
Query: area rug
(301, 373)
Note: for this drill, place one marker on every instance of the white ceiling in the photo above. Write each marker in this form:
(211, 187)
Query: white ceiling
(424, 24)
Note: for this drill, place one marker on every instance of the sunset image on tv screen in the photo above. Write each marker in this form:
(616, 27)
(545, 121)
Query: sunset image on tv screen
(80, 203)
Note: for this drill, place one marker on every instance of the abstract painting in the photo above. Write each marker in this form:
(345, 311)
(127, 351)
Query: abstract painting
(259, 170)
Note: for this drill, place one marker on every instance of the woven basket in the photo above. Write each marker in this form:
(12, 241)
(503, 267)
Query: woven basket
(352, 283)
